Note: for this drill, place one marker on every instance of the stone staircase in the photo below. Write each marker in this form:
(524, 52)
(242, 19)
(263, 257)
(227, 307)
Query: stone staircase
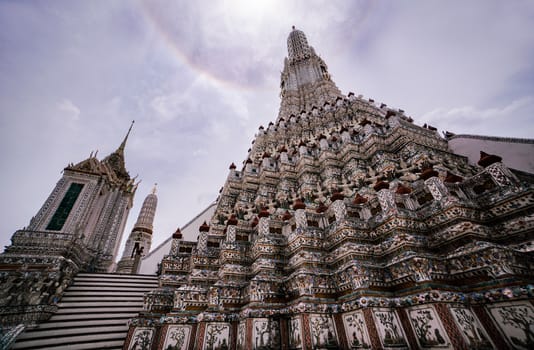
(92, 314)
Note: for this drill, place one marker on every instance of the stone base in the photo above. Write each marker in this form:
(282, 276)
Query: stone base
(30, 315)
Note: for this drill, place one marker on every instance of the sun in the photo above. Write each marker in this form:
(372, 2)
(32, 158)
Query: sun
(256, 9)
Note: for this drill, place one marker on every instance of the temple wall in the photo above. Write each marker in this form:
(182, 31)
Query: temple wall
(149, 264)
(517, 153)
(502, 325)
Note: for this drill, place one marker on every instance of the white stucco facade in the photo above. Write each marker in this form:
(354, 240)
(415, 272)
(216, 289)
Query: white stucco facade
(149, 264)
(516, 153)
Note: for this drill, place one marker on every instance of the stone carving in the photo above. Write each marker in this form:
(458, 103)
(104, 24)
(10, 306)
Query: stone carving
(387, 201)
(141, 339)
(266, 334)
(501, 175)
(436, 188)
(471, 329)
(389, 329)
(177, 338)
(516, 322)
(340, 210)
(323, 332)
(217, 336)
(295, 333)
(356, 330)
(241, 336)
(428, 329)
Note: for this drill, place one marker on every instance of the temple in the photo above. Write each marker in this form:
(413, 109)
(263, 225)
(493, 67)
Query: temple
(347, 226)
(140, 239)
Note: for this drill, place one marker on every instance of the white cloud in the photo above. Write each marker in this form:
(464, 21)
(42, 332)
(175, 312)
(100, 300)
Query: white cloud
(167, 106)
(200, 77)
(199, 152)
(472, 112)
(69, 109)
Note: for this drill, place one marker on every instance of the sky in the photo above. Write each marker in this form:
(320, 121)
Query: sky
(200, 77)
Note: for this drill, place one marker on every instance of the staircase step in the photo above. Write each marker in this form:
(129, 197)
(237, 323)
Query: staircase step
(95, 316)
(128, 289)
(83, 323)
(62, 332)
(96, 310)
(116, 276)
(116, 284)
(104, 303)
(71, 342)
(93, 313)
(103, 298)
(84, 293)
(113, 280)
(106, 344)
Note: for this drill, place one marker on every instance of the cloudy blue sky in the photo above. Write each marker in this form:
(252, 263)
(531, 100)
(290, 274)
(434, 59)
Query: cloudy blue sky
(199, 77)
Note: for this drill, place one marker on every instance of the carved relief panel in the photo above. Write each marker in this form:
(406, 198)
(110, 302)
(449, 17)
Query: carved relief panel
(295, 333)
(142, 338)
(428, 329)
(471, 329)
(516, 323)
(265, 334)
(177, 337)
(323, 332)
(389, 329)
(241, 335)
(356, 330)
(217, 336)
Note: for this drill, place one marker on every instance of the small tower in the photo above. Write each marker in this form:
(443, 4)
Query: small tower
(304, 81)
(89, 205)
(140, 239)
(78, 228)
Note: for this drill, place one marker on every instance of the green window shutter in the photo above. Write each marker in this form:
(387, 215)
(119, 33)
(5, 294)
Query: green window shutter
(63, 211)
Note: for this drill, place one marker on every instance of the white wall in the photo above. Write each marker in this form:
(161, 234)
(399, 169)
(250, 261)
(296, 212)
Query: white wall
(516, 153)
(149, 264)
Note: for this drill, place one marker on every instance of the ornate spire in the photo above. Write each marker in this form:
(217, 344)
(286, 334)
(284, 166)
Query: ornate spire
(123, 143)
(140, 239)
(145, 219)
(305, 81)
(297, 46)
(116, 159)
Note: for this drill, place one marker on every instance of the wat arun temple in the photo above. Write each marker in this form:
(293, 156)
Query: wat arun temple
(347, 226)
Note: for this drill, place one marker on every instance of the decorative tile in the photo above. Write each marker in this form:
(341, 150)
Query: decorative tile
(428, 329)
(177, 337)
(265, 334)
(217, 336)
(323, 332)
(471, 329)
(356, 330)
(142, 339)
(516, 323)
(389, 329)
(295, 333)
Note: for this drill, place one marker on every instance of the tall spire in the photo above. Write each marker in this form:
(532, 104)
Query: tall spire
(297, 46)
(148, 210)
(140, 239)
(123, 143)
(305, 80)
(116, 159)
